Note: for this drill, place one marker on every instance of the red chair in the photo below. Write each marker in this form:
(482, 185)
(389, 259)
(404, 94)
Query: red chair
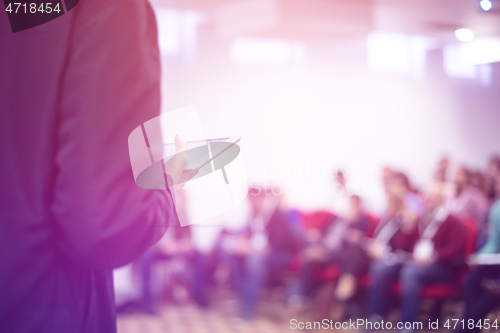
(330, 273)
(319, 220)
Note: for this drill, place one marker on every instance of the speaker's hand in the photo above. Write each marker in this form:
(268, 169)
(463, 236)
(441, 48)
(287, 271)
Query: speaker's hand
(176, 166)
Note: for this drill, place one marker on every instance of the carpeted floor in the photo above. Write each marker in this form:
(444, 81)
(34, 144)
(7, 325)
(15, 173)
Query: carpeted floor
(193, 319)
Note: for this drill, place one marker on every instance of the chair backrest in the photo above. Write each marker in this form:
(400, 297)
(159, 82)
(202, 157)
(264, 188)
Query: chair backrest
(319, 220)
(470, 228)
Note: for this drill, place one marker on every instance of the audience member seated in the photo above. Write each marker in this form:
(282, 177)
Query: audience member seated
(491, 178)
(340, 246)
(418, 242)
(437, 256)
(478, 181)
(392, 245)
(469, 201)
(481, 288)
(175, 248)
(262, 247)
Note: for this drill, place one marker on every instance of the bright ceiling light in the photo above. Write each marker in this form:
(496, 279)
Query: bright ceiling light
(485, 5)
(464, 35)
(480, 51)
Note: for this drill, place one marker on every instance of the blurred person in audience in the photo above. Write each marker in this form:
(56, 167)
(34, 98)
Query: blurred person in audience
(469, 201)
(387, 175)
(175, 248)
(478, 180)
(343, 240)
(481, 288)
(437, 256)
(262, 247)
(398, 185)
(340, 201)
(340, 246)
(444, 166)
(391, 247)
(491, 176)
(440, 177)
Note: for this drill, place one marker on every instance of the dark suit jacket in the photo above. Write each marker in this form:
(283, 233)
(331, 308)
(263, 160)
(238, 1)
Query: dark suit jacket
(449, 241)
(71, 91)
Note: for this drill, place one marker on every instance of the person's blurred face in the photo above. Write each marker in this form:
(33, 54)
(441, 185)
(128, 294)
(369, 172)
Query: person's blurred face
(354, 209)
(387, 175)
(433, 199)
(476, 180)
(461, 178)
(440, 176)
(493, 167)
(396, 188)
(444, 163)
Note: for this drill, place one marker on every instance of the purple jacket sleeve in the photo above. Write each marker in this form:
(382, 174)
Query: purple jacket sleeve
(110, 85)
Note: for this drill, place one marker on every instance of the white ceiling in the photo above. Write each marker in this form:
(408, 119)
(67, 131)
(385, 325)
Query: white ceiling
(439, 18)
(326, 19)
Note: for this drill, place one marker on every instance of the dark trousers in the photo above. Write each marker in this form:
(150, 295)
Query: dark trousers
(249, 274)
(196, 275)
(479, 301)
(308, 279)
(352, 260)
(382, 275)
(414, 277)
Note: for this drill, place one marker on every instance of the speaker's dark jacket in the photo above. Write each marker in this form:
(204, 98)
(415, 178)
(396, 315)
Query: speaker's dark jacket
(71, 91)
